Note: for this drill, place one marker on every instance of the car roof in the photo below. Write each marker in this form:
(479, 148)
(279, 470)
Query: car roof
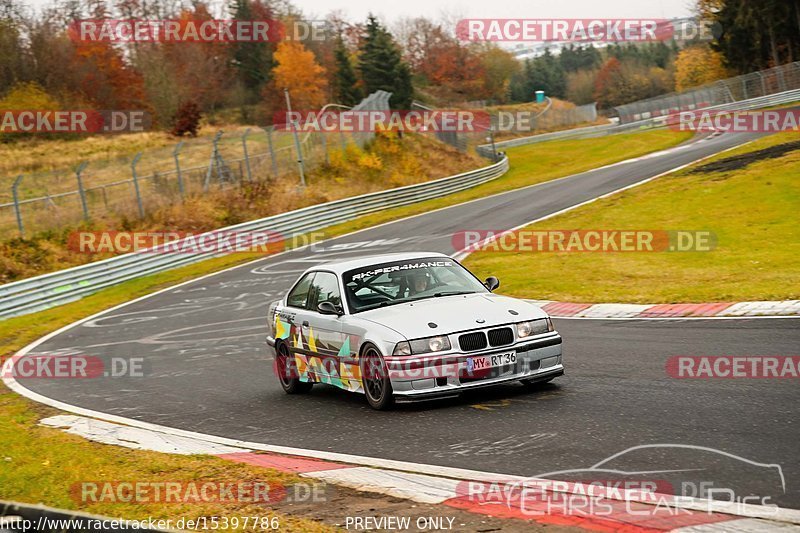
(340, 266)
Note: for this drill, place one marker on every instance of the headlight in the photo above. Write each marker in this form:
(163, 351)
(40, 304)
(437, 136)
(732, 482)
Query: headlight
(402, 348)
(420, 346)
(524, 329)
(437, 344)
(534, 327)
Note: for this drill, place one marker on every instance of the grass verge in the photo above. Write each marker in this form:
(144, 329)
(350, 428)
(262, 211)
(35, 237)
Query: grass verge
(537, 163)
(748, 197)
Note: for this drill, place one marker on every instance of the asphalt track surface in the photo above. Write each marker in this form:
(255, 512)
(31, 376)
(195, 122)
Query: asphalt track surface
(208, 370)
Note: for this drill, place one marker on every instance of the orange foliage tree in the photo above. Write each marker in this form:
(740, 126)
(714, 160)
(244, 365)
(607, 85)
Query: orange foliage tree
(698, 65)
(296, 69)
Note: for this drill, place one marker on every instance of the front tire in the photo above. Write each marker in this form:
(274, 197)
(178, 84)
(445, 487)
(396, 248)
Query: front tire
(375, 379)
(287, 371)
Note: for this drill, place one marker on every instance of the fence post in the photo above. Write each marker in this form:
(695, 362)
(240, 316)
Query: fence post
(81, 192)
(136, 183)
(494, 149)
(175, 154)
(268, 131)
(296, 139)
(217, 157)
(325, 147)
(16, 206)
(246, 157)
(763, 84)
(214, 161)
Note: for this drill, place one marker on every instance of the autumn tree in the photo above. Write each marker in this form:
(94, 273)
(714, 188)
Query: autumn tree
(202, 70)
(698, 65)
(296, 69)
(617, 83)
(499, 67)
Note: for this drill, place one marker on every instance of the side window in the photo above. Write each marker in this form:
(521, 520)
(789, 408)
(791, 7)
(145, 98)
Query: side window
(325, 289)
(299, 295)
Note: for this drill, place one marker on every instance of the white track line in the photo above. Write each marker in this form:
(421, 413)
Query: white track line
(464, 252)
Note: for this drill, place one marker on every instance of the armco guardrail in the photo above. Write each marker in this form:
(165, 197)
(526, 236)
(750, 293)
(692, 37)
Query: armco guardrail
(42, 292)
(656, 122)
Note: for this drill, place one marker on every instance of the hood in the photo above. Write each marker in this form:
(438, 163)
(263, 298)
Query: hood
(452, 314)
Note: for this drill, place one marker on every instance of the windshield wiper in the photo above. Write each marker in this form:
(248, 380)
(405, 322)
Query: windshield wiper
(451, 293)
(385, 303)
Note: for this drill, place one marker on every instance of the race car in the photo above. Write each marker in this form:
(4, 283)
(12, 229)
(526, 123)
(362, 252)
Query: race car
(406, 327)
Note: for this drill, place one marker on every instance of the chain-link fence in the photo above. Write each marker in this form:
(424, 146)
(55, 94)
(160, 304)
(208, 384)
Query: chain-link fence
(512, 123)
(134, 185)
(756, 84)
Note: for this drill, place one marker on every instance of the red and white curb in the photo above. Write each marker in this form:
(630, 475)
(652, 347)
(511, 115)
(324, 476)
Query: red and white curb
(782, 308)
(448, 486)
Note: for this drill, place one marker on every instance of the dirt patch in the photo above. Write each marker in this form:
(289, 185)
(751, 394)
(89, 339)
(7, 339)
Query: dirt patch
(341, 503)
(740, 161)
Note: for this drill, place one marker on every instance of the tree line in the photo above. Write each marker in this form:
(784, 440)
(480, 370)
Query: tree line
(40, 65)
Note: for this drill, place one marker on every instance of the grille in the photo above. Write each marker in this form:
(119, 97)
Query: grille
(472, 341)
(501, 336)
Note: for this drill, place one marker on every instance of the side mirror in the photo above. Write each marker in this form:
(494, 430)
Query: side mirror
(492, 283)
(327, 308)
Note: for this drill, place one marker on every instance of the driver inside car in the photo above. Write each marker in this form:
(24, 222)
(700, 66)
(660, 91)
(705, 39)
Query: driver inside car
(418, 283)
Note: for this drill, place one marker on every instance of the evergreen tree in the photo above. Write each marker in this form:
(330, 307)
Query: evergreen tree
(345, 81)
(382, 67)
(253, 60)
(758, 35)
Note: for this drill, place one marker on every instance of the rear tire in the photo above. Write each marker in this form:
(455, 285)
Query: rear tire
(375, 379)
(286, 369)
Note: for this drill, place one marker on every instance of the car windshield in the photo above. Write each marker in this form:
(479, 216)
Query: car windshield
(405, 281)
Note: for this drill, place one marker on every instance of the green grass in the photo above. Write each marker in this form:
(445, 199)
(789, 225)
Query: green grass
(752, 211)
(40, 464)
(43, 465)
(537, 163)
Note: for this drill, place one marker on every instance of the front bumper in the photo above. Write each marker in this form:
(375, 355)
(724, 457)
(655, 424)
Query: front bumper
(536, 360)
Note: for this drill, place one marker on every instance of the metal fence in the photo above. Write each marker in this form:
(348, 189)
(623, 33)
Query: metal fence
(602, 130)
(748, 86)
(553, 117)
(132, 186)
(48, 290)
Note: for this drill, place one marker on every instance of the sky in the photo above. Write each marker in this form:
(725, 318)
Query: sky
(393, 10)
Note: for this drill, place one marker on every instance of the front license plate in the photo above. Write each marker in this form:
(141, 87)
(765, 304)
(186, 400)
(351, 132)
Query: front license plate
(488, 361)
